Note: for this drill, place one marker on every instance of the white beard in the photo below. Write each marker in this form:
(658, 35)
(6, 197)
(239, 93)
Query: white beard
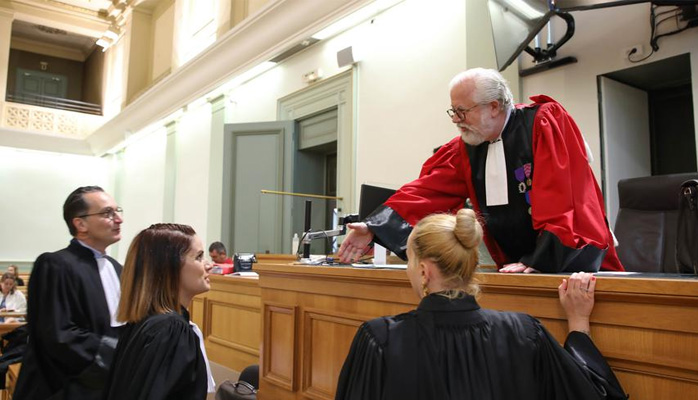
(471, 137)
(475, 136)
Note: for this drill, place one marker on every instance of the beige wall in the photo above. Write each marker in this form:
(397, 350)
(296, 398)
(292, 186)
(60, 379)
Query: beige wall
(34, 188)
(407, 57)
(163, 25)
(94, 69)
(598, 41)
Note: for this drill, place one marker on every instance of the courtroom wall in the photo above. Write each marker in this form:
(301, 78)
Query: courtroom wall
(140, 185)
(598, 41)
(34, 187)
(407, 57)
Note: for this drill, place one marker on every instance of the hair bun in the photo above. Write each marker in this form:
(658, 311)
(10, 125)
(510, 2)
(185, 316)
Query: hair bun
(468, 230)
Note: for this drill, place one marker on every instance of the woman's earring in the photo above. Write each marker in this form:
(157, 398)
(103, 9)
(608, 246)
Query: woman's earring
(425, 289)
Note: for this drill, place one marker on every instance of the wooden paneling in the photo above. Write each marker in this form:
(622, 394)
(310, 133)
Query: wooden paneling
(196, 312)
(229, 316)
(298, 322)
(647, 328)
(326, 336)
(278, 362)
(331, 306)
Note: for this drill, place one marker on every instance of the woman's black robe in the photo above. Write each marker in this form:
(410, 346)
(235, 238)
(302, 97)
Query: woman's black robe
(453, 349)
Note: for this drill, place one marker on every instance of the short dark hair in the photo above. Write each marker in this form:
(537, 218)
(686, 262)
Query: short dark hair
(218, 247)
(150, 278)
(76, 205)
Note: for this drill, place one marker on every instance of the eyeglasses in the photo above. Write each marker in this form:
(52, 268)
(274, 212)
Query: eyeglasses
(108, 213)
(460, 113)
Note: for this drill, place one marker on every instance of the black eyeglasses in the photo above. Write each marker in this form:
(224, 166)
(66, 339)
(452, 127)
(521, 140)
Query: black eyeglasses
(460, 113)
(108, 213)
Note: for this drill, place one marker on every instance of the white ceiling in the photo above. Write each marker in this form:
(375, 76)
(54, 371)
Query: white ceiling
(47, 35)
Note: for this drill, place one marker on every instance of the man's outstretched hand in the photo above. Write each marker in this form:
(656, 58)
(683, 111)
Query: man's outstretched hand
(356, 243)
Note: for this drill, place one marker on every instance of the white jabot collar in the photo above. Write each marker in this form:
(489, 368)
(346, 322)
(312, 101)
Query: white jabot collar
(211, 384)
(496, 189)
(110, 283)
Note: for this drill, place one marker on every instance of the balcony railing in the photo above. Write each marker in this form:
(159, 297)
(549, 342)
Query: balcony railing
(55, 102)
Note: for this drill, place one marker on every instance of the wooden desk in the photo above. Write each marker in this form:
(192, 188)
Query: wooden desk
(229, 316)
(647, 328)
(9, 326)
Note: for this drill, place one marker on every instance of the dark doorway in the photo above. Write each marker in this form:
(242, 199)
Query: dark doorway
(670, 101)
(672, 135)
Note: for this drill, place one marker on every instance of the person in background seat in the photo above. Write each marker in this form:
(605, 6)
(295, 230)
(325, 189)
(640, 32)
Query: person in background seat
(12, 299)
(218, 253)
(15, 272)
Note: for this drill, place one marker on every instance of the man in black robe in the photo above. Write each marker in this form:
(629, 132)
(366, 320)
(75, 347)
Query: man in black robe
(73, 296)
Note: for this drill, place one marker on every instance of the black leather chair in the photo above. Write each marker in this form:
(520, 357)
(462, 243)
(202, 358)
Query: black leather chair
(646, 222)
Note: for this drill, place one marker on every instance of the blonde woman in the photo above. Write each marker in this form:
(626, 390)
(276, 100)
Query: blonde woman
(450, 348)
(160, 354)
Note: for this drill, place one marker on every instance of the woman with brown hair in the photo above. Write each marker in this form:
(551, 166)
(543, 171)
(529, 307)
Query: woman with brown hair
(12, 299)
(160, 354)
(450, 348)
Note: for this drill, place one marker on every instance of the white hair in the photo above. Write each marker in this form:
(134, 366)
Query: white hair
(489, 84)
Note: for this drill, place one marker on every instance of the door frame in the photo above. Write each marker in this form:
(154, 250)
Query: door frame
(336, 91)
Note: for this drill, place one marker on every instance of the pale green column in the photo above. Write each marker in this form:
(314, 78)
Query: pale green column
(215, 172)
(168, 209)
(117, 180)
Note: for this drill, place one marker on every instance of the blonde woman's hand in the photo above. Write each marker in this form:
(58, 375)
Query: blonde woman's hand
(577, 299)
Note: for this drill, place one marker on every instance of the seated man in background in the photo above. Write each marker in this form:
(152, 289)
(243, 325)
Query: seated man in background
(218, 253)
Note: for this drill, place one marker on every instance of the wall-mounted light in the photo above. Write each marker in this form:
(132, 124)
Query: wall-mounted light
(312, 76)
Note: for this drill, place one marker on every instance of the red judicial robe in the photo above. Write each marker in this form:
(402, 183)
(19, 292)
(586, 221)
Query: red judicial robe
(555, 219)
